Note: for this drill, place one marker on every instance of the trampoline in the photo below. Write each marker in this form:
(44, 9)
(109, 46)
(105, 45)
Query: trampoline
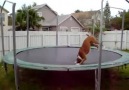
(63, 58)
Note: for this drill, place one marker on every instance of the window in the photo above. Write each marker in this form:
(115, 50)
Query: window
(45, 29)
(63, 28)
(3, 16)
(40, 14)
(75, 29)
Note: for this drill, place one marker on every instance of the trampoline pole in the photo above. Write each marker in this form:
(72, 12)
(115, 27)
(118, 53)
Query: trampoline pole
(127, 1)
(100, 48)
(96, 81)
(2, 36)
(57, 31)
(27, 28)
(93, 27)
(14, 48)
(123, 18)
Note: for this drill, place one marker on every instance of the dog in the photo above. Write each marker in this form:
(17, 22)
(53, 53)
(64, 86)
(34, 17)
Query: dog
(85, 48)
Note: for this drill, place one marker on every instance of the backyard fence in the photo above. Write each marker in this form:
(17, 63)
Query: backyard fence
(111, 39)
(41, 38)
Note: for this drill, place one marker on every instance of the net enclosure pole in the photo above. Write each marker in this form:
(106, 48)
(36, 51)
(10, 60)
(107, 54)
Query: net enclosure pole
(127, 1)
(14, 43)
(2, 32)
(14, 48)
(2, 35)
(122, 30)
(57, 30)
(100, 48)
(27, 28)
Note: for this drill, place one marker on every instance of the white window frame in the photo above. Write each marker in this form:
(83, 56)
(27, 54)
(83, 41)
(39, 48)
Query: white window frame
(75, 28)
(63, 28)
(40, 14)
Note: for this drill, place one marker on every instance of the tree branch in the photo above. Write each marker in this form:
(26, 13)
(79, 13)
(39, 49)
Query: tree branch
(127, 1)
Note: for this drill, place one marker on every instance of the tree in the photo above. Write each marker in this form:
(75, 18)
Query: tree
(21, 18)
(9, 20)
(77, 11)
(126, 22)
(107, 15)
(116, 22)
(34, 4)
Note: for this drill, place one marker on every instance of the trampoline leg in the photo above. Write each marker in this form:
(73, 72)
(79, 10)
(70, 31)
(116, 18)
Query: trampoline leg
(5, 67)
(118, 68)
(125, 66)
(17, 76)
(96, 79)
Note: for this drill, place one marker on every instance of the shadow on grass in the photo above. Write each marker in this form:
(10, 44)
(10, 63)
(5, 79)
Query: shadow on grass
(55, 80)
(112, 79)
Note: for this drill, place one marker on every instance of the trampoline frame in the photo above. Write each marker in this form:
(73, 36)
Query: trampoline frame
(8, 58)
(98, 68)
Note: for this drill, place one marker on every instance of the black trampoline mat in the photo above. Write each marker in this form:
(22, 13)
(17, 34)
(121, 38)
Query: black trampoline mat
(64, 56)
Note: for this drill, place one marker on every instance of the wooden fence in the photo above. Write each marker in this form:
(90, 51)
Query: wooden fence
(111, 39)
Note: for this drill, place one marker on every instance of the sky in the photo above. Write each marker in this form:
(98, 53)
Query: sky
(69, 6)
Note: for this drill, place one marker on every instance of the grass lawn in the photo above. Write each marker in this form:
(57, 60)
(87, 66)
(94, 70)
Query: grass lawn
(6, 80)
(112, 79)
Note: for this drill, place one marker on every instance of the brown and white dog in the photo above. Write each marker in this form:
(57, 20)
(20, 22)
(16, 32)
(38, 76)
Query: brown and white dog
(85, 48)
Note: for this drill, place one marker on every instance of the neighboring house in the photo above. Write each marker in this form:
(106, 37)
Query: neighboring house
(4, 18)
(69, 23)
(53, 21)
(88, 18)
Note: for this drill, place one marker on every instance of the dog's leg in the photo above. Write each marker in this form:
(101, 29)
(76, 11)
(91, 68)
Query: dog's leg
(83, 59)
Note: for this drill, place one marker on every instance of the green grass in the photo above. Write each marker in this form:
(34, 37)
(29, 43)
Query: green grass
(120, 78)
(124, 71)
(112, 79)
(6, 80)
(126, 50)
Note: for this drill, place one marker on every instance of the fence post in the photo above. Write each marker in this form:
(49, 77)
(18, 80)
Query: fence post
(30, 40)
(80, 39)
(125, 33)
(10, 41)
(116, 39)
(68, 40)
(42, 39)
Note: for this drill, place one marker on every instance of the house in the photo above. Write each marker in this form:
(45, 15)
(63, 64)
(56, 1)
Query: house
(69, 23)
(88, 18)
(4, 18)
(53, 21)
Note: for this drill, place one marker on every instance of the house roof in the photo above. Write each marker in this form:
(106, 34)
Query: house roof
(53, 22)
(61, 19)
(4, 9)
(37, 7)
(86, 14)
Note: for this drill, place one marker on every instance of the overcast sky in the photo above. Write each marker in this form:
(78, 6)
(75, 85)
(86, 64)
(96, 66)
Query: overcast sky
(69, 6)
